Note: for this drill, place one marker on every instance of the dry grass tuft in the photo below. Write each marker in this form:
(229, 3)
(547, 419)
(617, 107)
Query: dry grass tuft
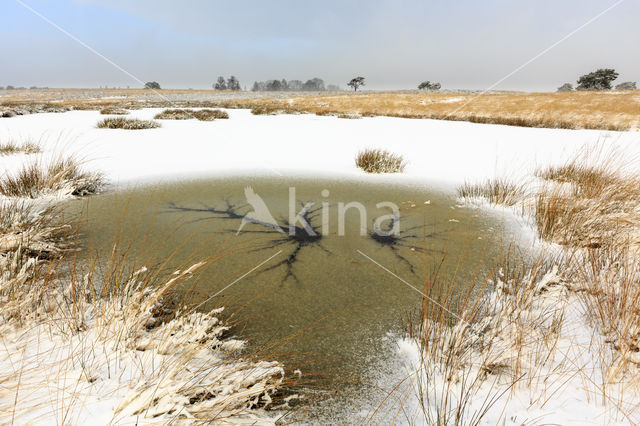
(113, 111)
(380, 161)
(127, 124)
(591, 206)
(496, 191)
(210, 114)
(11, 147)
(62, 175)
(117, 342)
(175, 114)
(188, 114)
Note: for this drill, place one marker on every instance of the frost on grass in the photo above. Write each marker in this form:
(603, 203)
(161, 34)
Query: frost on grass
(105, 348)
(188, 114)
(61, 176)
(521, 351)
(380, 161)
(127, 123)
(11, 148)
(590, 207)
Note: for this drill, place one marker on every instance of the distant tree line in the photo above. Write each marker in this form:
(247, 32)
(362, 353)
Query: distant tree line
(601, 79)
(314, 84)
(232, 83)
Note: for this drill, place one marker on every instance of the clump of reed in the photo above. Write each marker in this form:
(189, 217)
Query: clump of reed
(495, 338)
(586, 205)
(591, 207)
(11, 147)
(127, 123)
(175, 114)
(496, 191)
(210, 114)
(118, 341)
(380, 161)
(60, 175)
(113, 111)
(188, 114)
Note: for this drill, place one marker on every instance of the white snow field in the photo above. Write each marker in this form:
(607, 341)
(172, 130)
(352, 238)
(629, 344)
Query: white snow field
(444, 151)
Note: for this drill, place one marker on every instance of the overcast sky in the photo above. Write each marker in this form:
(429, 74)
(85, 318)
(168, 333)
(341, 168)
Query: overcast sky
(395, 44)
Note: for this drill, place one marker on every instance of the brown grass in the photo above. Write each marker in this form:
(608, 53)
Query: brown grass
(591, 206)
(11, 147)
(574, 110)
(568, 110)
(113, 111)
(188, 114)
(61, 174)
(210, 114)
(115, 336)
(496, 191)
(380, 161)
(127, 124)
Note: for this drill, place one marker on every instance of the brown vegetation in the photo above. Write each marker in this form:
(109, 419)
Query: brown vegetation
(592, 208)
(188, 114)
(380, 161)
(60, 175)
(11, 147)
(569, 110)
(113, 111)
(127, 124)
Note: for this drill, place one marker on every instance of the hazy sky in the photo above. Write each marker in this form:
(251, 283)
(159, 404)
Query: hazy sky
(394, 44)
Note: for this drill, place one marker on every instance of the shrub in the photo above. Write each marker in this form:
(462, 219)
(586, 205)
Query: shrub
(567, 87)
(113, 111)
(627, 85)
(152, 85)
(127, 124)
(380, 161)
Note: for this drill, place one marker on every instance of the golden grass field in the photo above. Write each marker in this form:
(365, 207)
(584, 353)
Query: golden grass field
(614, 110)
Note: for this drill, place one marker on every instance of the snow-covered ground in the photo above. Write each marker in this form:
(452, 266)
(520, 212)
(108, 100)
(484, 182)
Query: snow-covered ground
(445, 151)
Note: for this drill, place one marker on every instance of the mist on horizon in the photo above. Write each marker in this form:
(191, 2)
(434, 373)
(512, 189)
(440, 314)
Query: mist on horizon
(395, 45)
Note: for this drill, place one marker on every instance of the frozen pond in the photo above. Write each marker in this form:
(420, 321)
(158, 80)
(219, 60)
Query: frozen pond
(329, 297)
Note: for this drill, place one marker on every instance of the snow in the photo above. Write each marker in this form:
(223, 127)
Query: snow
(437, 151)
(447, 152)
